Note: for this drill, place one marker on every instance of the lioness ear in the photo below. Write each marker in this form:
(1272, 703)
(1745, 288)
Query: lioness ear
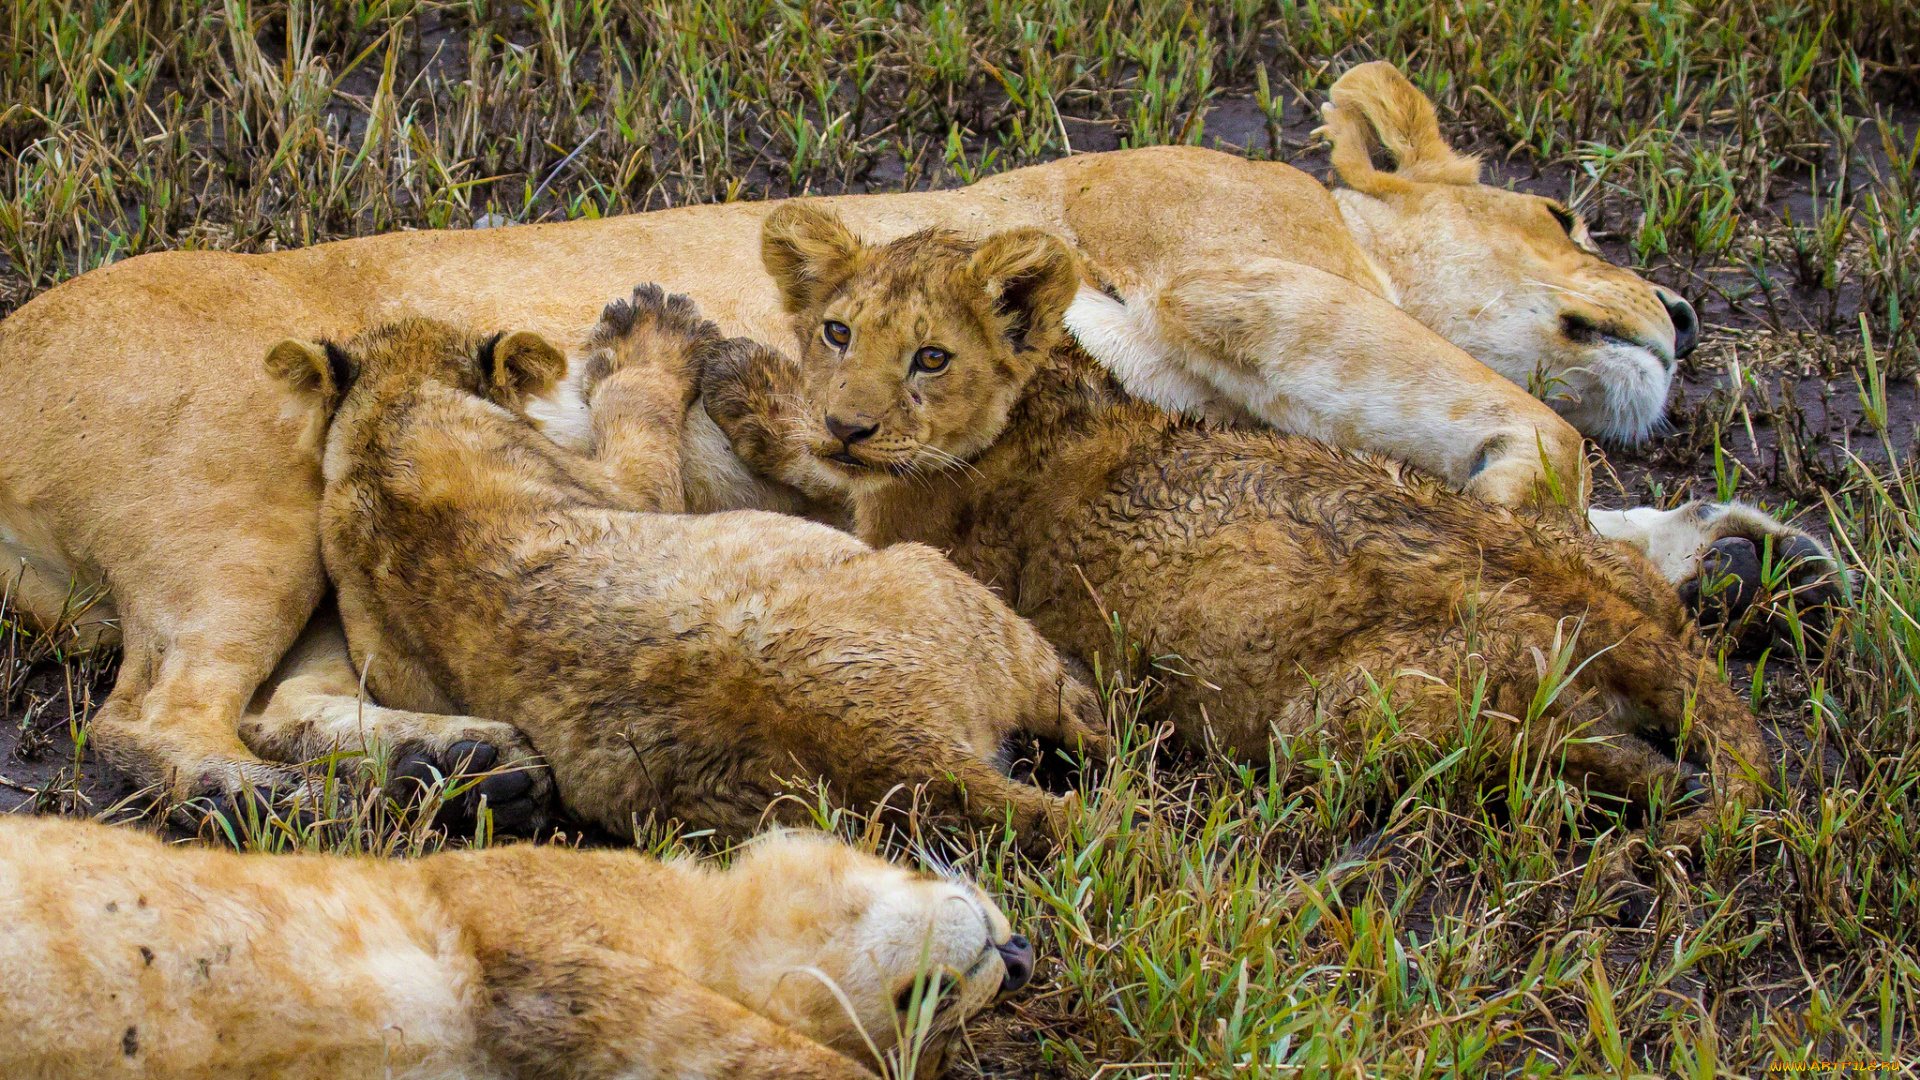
(519, 366)
(1031, 276)
(807, 251)
(319, 373)
(1374, 105)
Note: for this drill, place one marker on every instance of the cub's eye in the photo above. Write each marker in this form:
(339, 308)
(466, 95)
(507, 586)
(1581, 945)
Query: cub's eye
(931, 360)
(836, 334)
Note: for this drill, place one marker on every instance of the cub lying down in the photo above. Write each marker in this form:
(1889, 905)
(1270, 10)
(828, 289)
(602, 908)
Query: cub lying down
(684, 667)
(125, 956)
(937, 392)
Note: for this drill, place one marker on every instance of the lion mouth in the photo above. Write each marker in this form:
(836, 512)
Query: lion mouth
(849, 463)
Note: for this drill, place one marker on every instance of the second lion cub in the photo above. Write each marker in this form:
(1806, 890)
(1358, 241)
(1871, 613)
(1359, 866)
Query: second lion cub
(1300, 587)
(665, 665)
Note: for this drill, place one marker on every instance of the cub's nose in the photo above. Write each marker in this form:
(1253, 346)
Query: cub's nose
(850, 433)
(1686, 324)
(1017, 954)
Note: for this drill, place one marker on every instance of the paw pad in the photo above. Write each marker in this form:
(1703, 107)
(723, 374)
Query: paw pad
(511, 794)
(1748, 595)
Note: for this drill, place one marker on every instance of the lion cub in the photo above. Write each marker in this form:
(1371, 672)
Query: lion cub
(683, 667)
(1295, 586)
(125, 956)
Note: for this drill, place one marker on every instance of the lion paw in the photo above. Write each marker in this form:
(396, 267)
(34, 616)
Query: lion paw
(241, 802)
(1736, 566)
(656, 331)
(490, 764)
(751, 393)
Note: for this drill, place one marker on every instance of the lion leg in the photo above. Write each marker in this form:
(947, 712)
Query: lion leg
(1672, 688)
(598, 1014)
(640, 375)
(191, 662)
(36, 580)
(1733, 564)
(1348, 367)
(312, 706)
(981, 794)
(752, 399)
(1590, 734)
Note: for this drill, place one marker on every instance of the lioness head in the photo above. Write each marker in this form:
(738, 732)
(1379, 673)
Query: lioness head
(346, 384)
(914, 351)
(863, 955)
(1514, 279)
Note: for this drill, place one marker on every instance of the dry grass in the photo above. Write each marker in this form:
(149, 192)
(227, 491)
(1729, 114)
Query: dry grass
(1327, 915)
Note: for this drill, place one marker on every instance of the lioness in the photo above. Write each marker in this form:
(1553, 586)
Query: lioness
(158, 490)
(125, 956)
(687, 667)
(1296, 585)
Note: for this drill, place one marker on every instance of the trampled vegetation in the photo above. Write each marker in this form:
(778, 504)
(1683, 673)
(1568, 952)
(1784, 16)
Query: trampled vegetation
(1410, 914)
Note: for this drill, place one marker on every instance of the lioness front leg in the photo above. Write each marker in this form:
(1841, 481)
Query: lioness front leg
(312, 706)
(596, 1014)
(1314, 354)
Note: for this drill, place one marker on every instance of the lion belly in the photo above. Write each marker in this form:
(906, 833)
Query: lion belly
(119, 956)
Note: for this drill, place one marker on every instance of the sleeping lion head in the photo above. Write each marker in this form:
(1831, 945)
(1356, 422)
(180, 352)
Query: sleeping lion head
(865, 956)
(914, 351)
(1514, 279)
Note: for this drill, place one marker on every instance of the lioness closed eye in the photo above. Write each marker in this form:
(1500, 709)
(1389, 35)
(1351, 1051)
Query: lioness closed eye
(123, 956)
(1300, 586)
(680, 667)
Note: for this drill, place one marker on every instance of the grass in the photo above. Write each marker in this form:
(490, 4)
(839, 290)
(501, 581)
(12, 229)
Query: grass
(1403, 911)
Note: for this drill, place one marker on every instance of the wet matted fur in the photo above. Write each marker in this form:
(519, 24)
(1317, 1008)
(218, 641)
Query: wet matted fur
(684, 667)
(1299, 586)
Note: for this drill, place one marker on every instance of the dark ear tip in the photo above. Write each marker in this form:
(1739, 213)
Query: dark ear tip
(341, 366)
(487, 348)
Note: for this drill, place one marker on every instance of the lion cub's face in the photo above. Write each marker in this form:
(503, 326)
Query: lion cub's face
(907, 951)
(914, 351)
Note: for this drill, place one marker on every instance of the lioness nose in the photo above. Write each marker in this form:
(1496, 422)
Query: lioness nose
(1686, 325)
(1017, 954)
(850, 433)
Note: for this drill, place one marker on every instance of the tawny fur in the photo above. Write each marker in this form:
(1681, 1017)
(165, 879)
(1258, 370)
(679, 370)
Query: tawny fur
(156, 486)
(689, 668)
(1284, 579)
(124, 956)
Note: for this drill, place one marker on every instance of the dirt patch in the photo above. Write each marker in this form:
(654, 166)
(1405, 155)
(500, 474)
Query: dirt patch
(45, 765)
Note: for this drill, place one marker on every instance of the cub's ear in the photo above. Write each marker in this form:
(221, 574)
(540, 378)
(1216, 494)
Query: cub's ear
(1030, 276)
(808, 251)
(520, 366)
(318, 373)
(1373, 105)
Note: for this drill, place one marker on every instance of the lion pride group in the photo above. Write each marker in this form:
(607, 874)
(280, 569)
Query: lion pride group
(841, 500)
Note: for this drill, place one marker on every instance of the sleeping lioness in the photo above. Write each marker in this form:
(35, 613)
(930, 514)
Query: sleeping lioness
(683, 667)
(122, 956)
(1293, 586)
